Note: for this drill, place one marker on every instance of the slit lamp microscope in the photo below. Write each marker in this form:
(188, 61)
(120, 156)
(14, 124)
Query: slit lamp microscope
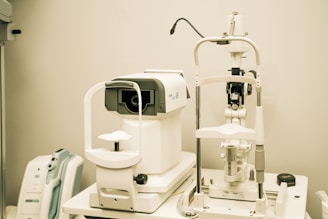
(238, 173)
(215, 192)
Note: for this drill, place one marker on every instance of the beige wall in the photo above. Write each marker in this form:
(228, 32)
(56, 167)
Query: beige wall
(67, 46)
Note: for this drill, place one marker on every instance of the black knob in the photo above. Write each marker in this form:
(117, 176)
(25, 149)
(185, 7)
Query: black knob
(141, 179)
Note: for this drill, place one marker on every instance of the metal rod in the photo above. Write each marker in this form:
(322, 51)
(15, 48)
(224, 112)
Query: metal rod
(259, 152)
(117, 146)
(260, 187)
(198, 149)
(2, 145)
(258, 96)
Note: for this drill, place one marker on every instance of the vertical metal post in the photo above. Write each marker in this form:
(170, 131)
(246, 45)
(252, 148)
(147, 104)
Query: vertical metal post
(259, 151)
(198, 149)
(2, 145)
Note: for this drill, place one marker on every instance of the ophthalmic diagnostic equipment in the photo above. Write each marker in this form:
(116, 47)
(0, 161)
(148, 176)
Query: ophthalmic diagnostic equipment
(145, 174)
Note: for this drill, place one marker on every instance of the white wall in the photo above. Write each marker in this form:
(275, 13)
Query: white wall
(67, 46)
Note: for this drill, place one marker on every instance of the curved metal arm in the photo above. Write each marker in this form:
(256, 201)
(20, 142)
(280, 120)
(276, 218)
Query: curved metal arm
(224, 39)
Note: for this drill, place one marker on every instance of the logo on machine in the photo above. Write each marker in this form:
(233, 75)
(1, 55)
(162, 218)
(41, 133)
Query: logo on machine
(174, 96)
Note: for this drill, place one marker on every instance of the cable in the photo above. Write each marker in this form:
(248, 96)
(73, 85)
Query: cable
(192, 26)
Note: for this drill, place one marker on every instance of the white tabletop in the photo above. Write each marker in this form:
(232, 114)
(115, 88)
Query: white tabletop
(296, 204)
